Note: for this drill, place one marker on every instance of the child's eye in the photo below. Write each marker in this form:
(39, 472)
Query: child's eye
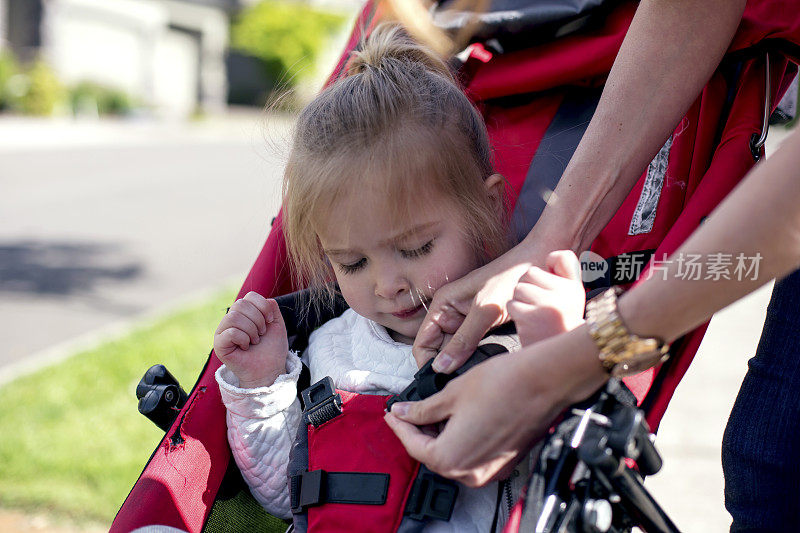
(417, 252)
(353, 267)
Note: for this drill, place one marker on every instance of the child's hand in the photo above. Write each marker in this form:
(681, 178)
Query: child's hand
(251, 341)
(549, 302)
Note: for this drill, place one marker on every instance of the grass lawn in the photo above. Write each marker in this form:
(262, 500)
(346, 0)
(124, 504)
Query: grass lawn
(72, 440)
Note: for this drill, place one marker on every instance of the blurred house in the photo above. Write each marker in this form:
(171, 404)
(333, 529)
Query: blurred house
(169, 54)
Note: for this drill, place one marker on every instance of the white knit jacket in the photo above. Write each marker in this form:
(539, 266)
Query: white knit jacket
(359, 356)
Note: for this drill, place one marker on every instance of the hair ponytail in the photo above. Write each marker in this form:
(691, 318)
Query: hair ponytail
(389, 46)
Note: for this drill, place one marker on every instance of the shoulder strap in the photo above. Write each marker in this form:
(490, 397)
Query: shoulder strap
(427, 382)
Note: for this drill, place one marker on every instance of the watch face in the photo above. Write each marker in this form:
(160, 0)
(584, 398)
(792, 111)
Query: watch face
(622, 353)
(635, 363)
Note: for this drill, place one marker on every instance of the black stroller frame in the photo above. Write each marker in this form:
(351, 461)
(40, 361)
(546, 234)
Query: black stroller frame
(584, 480)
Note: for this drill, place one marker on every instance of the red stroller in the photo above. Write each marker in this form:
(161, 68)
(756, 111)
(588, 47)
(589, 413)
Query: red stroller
(537, 99)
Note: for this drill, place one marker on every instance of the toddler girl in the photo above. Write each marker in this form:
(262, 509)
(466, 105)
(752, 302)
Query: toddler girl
(389, 190)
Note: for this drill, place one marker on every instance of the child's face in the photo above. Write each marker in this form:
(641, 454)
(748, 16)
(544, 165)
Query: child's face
(387, 271)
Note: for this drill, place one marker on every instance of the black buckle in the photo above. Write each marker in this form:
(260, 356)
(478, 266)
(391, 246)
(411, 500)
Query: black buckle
(426, 383)
(431, 496)
(322, 402)
(308, 489)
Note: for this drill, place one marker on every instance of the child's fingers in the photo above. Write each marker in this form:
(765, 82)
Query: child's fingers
(249, 309)
(517, 310)
(235, 319)
(530, 294)
(262, 304)
(540, 278)
(564, 263)
(273, 313)
(233, 337)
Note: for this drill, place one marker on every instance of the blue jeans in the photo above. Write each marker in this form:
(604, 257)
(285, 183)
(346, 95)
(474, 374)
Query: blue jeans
(761, 444)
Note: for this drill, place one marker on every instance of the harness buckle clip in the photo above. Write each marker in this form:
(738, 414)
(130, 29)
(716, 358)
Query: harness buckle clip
(307, 489)
(431, 496)
(426, 383)
(322, 402)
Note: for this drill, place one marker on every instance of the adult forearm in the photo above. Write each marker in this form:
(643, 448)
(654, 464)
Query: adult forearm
(668, 55)
(759, 221)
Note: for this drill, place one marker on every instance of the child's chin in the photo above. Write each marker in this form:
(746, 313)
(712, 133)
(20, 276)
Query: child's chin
(405, 335)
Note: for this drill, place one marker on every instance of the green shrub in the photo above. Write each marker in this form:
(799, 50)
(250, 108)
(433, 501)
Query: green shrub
(36, 91)
(285, 36)
(8, 69)
(99, 99)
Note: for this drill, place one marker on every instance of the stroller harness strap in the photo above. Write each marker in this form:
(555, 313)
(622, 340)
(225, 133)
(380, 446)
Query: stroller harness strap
(358, 473)
(348, 471)
(318, 486)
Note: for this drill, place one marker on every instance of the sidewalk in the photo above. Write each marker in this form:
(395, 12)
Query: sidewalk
(18, 133)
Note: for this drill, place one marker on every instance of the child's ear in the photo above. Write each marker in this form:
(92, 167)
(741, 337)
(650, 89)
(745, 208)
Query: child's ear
(495, 185)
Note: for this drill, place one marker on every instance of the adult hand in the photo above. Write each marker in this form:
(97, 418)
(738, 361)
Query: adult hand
(462, 311)
(499, 409)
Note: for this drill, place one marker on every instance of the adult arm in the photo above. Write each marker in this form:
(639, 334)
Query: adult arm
(667, 56)
(497, 410)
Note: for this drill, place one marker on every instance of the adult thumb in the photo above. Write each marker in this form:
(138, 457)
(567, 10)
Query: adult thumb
(465, 340)
(428, 411)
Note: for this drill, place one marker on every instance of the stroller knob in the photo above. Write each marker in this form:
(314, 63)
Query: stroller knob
(160, 396)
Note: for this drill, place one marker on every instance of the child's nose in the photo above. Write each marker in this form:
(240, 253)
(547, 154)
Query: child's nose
(390, 283)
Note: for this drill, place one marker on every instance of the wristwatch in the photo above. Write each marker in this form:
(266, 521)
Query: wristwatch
(621, 352)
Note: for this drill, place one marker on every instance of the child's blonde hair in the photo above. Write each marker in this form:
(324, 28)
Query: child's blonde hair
(399, 122)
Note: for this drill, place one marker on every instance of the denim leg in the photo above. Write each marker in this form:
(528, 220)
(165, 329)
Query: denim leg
(761, 444)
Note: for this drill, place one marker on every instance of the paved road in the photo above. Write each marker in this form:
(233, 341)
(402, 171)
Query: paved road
(100, 224)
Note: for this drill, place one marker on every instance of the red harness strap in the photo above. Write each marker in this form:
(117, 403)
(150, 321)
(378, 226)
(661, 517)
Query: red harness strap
(358, 440)
(359, 475)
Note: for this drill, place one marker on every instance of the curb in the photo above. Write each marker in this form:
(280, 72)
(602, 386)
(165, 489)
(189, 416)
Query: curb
(67, 349)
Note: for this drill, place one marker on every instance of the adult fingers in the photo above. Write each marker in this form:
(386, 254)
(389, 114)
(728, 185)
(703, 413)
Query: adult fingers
(565, 264)
(418, 445)
(466, 338)
(427, 342)
(441, 321)
(428, 411)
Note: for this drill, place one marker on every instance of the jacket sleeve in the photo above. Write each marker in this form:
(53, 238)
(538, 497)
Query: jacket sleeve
(262, 424)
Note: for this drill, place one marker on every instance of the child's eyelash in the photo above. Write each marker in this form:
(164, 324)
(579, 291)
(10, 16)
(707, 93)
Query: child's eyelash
(408, 254)
(353, 267)
(422, 250)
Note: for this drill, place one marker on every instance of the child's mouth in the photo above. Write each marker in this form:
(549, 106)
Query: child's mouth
(408, 313)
